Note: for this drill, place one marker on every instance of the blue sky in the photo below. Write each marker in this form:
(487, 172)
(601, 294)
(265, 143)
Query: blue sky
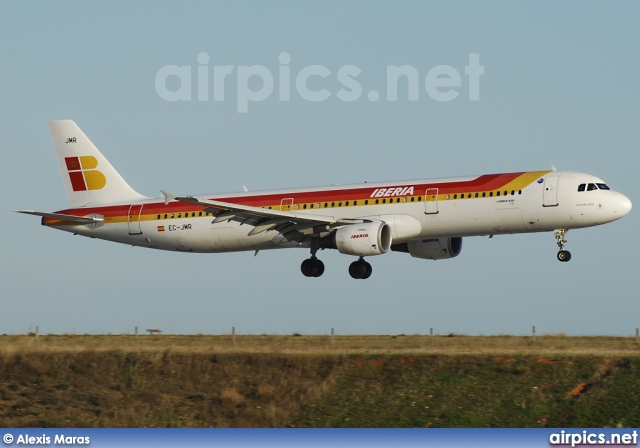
(559, 87)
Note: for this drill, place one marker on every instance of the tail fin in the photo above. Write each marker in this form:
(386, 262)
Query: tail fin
(88, 176)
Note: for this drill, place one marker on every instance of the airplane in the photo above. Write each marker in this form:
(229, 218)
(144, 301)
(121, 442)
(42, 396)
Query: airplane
(425, 218)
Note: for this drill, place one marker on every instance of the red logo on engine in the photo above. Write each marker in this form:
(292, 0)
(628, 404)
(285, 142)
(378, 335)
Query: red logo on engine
(360, 235)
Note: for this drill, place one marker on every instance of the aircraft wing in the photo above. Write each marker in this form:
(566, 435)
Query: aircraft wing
(72, 218)
(293, 226)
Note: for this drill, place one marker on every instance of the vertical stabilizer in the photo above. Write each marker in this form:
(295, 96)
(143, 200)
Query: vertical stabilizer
(88, 176)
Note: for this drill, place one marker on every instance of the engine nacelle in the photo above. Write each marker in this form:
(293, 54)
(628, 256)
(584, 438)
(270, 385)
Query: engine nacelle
(431, 248)
(368, 238)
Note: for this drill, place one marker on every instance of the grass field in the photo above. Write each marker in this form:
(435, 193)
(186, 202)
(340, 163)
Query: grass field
(318, 381)
(557, 345)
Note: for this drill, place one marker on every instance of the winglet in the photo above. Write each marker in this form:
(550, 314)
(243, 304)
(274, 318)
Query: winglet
(168, 197)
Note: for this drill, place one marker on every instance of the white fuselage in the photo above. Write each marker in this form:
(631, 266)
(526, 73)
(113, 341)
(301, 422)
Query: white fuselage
(453, 207)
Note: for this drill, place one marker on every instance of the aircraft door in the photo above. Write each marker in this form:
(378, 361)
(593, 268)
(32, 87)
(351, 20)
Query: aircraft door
(550, 194)
(431, 202)
(133, 219)
(286, 205)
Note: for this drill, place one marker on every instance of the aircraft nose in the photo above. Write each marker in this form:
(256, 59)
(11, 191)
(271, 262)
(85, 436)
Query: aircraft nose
(622, 206)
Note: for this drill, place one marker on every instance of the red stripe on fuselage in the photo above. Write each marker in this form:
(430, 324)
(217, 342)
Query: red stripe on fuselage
(483, 183)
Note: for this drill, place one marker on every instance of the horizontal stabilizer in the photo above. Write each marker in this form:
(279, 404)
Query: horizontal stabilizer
(78, 219)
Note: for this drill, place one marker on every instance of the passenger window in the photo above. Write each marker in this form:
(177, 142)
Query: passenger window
(519, 191)
(419, 198)
(355, 202)
(347, 203)
(200, 214)
(377, 201)
(484, 194)
(297, 206)
(497, 193)
(171, 215)
(505, 193)
(340, 204)
(491, 194)
(447, 196)
(333, 204)
(319, 205)
(591, 187)
(455, 196)
(158, 217)
(165, 216)
(304, 206)
(326, 204)
(476, 194)
(311, 206)
(413, 199)
(179, 215)
(469, 196)
(513, 192)
(366, 202)
(384, 201)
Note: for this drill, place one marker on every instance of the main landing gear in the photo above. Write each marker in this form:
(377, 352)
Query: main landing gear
(312, 267)
(360, 269)
(563, 255)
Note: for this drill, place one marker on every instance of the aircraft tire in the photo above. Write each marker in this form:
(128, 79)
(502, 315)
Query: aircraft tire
(319, 268)
(360, 269)
(312, 267)
(368, 270)
(564, 256)
(307, 267)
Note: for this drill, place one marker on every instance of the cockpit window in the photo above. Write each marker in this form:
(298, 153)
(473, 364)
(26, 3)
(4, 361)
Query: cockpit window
(603, 186)
(581, 187)
(591, 187)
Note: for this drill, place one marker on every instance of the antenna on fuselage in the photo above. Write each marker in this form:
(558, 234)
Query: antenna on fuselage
(553, 168)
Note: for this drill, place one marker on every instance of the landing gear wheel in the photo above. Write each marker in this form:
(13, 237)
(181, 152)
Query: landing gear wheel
(312, 267)
(564, 255)
(356, 269)
(360, 269)
(369, 271)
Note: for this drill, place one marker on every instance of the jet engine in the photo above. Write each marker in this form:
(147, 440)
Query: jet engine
(431, 248)
(368, 238)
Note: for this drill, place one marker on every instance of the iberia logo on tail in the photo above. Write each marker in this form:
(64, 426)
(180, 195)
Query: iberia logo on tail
(83, 174)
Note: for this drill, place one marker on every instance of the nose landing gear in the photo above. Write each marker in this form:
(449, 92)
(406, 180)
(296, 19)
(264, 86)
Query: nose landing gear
(360, 269)
(563, 255)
